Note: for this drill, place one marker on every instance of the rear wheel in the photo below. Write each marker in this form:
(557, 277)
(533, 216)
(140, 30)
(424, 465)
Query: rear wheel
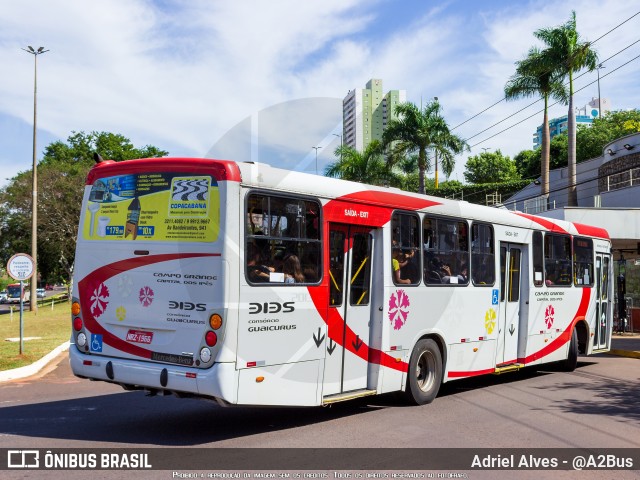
(425, 372)
(569, 365)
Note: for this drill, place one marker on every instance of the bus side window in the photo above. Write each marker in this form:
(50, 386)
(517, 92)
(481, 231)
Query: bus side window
(446, 257)
(557, 260)
(583, 262)
(405, 241)
(483, 263)
(283, 240)
(538, 266)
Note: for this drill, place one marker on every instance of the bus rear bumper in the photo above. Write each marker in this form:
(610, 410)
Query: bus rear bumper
(139, 375)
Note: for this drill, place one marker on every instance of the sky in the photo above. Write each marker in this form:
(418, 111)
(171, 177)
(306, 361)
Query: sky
(264, 81)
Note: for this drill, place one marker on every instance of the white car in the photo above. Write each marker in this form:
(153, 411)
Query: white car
(3, 296)
(40, 293)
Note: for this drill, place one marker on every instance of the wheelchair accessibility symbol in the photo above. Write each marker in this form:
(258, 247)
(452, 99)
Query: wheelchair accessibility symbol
(96, 343)
(494, 297)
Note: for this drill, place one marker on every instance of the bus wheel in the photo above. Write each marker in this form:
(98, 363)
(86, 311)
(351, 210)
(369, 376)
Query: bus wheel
(425, 372)
(569, 365)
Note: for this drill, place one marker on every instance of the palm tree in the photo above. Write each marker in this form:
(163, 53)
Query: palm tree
(536, 75)
(366, 167)
(571, 55)
(418, 130)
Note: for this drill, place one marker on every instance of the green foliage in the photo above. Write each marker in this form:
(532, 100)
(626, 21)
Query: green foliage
(422, 131)
(476, 193)
(590, 141)
(489, 167)
(61, 179)
(366, 167)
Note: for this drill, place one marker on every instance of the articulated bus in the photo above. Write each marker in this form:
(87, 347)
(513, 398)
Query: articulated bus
(252, 285)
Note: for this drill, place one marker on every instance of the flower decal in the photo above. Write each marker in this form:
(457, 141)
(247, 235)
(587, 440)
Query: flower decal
(99, 300)
(121, 313)
(146, 296)
(490, 320)
(398, 309)
(549, 313)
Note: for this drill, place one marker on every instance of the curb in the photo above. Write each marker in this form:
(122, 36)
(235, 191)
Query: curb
(624, 353)
(35, 367)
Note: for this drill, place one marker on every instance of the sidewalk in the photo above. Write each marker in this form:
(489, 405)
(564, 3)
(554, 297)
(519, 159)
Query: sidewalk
(625, 345)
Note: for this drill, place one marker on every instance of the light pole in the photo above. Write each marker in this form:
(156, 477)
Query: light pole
(316, 149)
(336, 135)
(599, 99)
(33, 303)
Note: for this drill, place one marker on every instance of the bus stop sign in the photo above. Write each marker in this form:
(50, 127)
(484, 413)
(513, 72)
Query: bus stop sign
(20, 266)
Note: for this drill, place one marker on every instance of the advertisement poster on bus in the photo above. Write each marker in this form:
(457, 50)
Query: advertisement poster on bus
(158, 206)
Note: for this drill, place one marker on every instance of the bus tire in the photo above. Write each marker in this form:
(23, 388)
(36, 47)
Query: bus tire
(569, 365)
(425, 372)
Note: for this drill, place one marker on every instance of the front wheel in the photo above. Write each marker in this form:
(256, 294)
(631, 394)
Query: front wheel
(425, 372)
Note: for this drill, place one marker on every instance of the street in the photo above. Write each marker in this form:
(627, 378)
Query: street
(595, 406)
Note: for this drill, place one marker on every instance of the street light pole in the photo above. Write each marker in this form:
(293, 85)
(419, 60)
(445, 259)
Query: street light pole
(33, 303)
(316, 149)
(336, 135)
(599, 99)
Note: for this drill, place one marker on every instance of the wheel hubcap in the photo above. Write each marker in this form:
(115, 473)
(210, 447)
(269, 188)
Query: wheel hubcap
(424, 371)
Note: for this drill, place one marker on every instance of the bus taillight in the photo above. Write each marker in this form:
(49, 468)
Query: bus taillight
(77, 324)
(215, 321)
(75, 308)
(211, 338)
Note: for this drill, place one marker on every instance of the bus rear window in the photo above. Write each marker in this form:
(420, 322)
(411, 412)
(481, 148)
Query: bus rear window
(156, 206)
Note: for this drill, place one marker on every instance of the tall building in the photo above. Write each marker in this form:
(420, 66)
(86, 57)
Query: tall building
(366, 111)
(584, 116)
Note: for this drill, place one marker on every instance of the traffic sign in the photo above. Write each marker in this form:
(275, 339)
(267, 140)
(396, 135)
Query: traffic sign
(20, 266)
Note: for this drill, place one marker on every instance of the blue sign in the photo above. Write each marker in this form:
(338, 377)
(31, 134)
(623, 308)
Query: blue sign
(494, 297)
(96, 343)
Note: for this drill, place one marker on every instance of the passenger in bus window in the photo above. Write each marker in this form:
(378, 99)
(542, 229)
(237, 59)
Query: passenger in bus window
(256, 271)
(292, 270)
(398, 262)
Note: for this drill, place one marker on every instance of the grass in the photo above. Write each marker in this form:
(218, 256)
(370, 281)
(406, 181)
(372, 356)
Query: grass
(53, 326)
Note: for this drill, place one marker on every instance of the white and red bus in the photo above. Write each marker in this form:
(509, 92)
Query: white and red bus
(15, 291)
(253, 285)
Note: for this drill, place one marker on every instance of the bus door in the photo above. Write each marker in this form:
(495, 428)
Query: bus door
(603, 317)
(514, 299)
(351, 250)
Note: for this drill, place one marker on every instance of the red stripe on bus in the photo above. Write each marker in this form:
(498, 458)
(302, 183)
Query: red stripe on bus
(221, 170)
(336, 324)
(389, 200)
(370, 208)
(591, 231)
(548, 224)
(99, 276)
(473, 373)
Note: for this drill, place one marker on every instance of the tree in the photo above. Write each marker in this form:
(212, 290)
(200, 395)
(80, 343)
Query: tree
(590, 140)
(61, 178)
(490, 167)
(366, 167)
(570, 55)
(537, 75)
(418, 130)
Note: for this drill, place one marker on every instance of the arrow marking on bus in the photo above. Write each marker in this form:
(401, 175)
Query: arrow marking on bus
(319, 338)
(357, 343)
(512, 329)
(332, 346)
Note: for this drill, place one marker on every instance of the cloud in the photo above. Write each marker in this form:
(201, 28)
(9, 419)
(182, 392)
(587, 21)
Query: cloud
(179, 75)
